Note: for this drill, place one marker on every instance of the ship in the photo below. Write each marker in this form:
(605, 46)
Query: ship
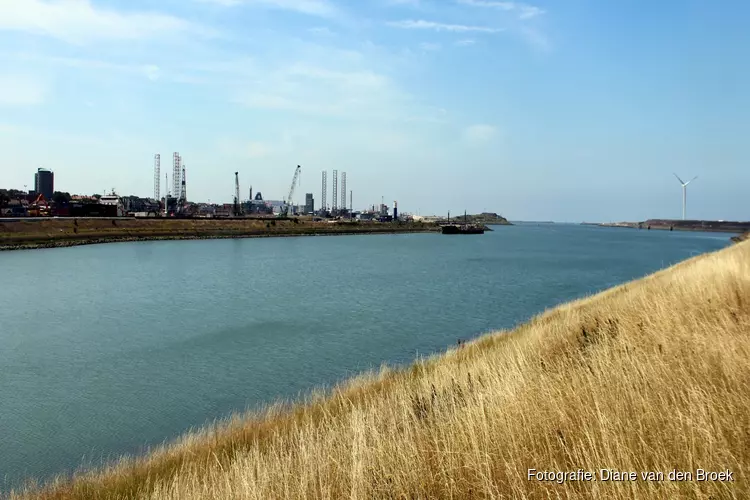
(464, 228)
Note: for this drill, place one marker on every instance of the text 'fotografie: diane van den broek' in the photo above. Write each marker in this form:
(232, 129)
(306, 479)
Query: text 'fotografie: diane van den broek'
(613, 475)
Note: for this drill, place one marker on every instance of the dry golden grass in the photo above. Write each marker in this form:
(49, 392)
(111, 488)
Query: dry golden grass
(653, 375)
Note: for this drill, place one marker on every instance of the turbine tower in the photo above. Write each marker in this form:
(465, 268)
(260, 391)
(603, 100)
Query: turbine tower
(684, 193)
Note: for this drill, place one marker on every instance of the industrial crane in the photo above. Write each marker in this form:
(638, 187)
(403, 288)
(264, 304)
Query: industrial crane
(288, 200)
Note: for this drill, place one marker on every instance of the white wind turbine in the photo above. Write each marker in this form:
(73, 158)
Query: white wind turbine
(684, 193)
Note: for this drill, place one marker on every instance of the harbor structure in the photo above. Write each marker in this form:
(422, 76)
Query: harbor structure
(157, 176)
(335, 197)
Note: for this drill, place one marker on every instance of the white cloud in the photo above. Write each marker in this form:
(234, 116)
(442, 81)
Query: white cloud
(321, 30)
(429, 46)
(152, 72)
(21, 90)
(349, 79)
(78, 21)
(225, 3)
(429, 25)
(480, 134)
(528, 12)
(536, 39)
(523, 10)
(336, 89)
(465, 43)
(321, 8)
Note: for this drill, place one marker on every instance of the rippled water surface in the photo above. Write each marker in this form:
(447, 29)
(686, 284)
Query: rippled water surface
(107, 349)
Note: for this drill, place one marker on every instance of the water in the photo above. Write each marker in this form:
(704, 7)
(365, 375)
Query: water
(107, 349)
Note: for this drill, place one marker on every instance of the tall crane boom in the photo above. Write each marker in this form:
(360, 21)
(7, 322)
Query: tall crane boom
(288, 200)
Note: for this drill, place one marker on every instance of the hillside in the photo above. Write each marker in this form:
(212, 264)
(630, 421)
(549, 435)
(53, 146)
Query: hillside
(487, 218)
(648, 376)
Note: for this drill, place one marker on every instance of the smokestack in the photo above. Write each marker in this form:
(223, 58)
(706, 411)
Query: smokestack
(395, 210)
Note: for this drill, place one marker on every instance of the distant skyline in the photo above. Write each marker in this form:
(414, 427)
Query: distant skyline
(565, 111)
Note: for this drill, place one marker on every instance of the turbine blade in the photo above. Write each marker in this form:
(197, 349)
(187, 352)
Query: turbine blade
(678, 178)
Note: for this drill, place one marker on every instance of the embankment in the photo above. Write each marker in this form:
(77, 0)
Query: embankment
(650, 376)
(46, 233)
(742, 237)
(681, 225)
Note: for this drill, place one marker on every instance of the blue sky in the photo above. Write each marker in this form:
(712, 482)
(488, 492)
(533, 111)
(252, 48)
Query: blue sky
(567, 111)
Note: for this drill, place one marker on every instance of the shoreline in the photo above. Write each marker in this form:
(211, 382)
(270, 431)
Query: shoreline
(47, 237)
(130, 239)
(679, 225)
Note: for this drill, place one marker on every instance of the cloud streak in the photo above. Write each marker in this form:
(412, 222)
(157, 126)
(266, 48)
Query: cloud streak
(524, 11)
(320, 8)
(430, 25)
(479, 134)
(79, 22)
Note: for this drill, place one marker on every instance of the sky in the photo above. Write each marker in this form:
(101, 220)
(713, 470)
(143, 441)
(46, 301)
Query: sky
(574, 111)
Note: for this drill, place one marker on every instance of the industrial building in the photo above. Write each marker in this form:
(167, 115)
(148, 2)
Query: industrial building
(170, 200)
(309, 203)
(44, 183)
(338, 206)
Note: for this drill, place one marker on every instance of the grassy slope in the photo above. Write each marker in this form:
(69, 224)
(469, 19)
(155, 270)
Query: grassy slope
(652, 375)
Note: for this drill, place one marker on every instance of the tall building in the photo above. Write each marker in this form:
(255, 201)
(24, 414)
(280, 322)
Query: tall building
(309, 203)
(44, 182)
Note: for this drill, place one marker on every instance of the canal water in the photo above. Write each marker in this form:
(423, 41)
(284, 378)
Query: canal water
(108, 349)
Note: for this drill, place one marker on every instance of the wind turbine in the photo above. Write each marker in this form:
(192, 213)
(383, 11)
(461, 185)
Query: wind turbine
(684, 193)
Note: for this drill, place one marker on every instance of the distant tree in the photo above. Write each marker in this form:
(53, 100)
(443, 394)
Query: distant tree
(97, 196)
(4, 198)
(61, 198)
